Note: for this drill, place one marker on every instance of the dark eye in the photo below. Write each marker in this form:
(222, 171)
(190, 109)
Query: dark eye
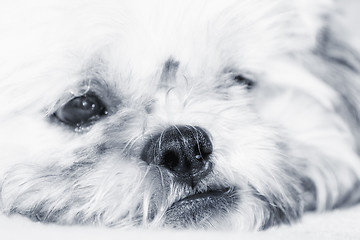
(81, 110)
(244, 81)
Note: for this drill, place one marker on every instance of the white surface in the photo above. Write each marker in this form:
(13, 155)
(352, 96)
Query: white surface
(339, 224)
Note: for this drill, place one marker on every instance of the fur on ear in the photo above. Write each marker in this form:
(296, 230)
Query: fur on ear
(339, 67)
(336, 63)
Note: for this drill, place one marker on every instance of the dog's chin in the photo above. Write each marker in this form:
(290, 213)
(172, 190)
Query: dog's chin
(201, 207)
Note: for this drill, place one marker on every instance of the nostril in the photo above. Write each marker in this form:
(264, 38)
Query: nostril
(170, 160)
(201, 153)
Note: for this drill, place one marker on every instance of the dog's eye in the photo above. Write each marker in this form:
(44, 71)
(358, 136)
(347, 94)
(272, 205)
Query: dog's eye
(81, 110)
(244, 81)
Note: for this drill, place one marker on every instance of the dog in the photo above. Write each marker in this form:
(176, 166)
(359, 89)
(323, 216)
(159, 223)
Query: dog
(176, 114)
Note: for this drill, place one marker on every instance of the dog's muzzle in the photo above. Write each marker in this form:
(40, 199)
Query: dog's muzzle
(183, 150)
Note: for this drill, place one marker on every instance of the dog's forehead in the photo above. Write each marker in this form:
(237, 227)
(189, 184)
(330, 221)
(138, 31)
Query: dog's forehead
(128, 43)
(136, 40)
(146, 33)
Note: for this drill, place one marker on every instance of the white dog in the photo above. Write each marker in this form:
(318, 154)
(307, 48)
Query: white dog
(194, 114)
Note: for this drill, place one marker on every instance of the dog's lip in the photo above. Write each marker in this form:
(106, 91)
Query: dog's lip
(208, 194)
(195, 207)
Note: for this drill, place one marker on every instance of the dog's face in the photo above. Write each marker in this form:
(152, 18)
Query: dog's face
(158, 113)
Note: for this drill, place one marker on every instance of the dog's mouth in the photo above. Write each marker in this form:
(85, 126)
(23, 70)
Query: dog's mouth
(201, 206)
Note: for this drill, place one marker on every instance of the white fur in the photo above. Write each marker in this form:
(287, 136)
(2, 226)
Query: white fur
(51, 51)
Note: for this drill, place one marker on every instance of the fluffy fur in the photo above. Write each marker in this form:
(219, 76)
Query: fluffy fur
(288, 145)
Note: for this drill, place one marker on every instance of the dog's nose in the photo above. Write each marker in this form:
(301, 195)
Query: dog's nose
(184, 150)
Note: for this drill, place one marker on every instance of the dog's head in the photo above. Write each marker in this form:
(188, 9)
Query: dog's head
(153, 113)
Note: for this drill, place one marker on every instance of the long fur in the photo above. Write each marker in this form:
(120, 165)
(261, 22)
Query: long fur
(286, 146)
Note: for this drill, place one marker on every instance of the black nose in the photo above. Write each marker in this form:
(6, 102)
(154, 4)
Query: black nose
(184, 150)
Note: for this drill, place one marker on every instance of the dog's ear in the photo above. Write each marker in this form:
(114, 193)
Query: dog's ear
(338, 65)
(330, 57)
